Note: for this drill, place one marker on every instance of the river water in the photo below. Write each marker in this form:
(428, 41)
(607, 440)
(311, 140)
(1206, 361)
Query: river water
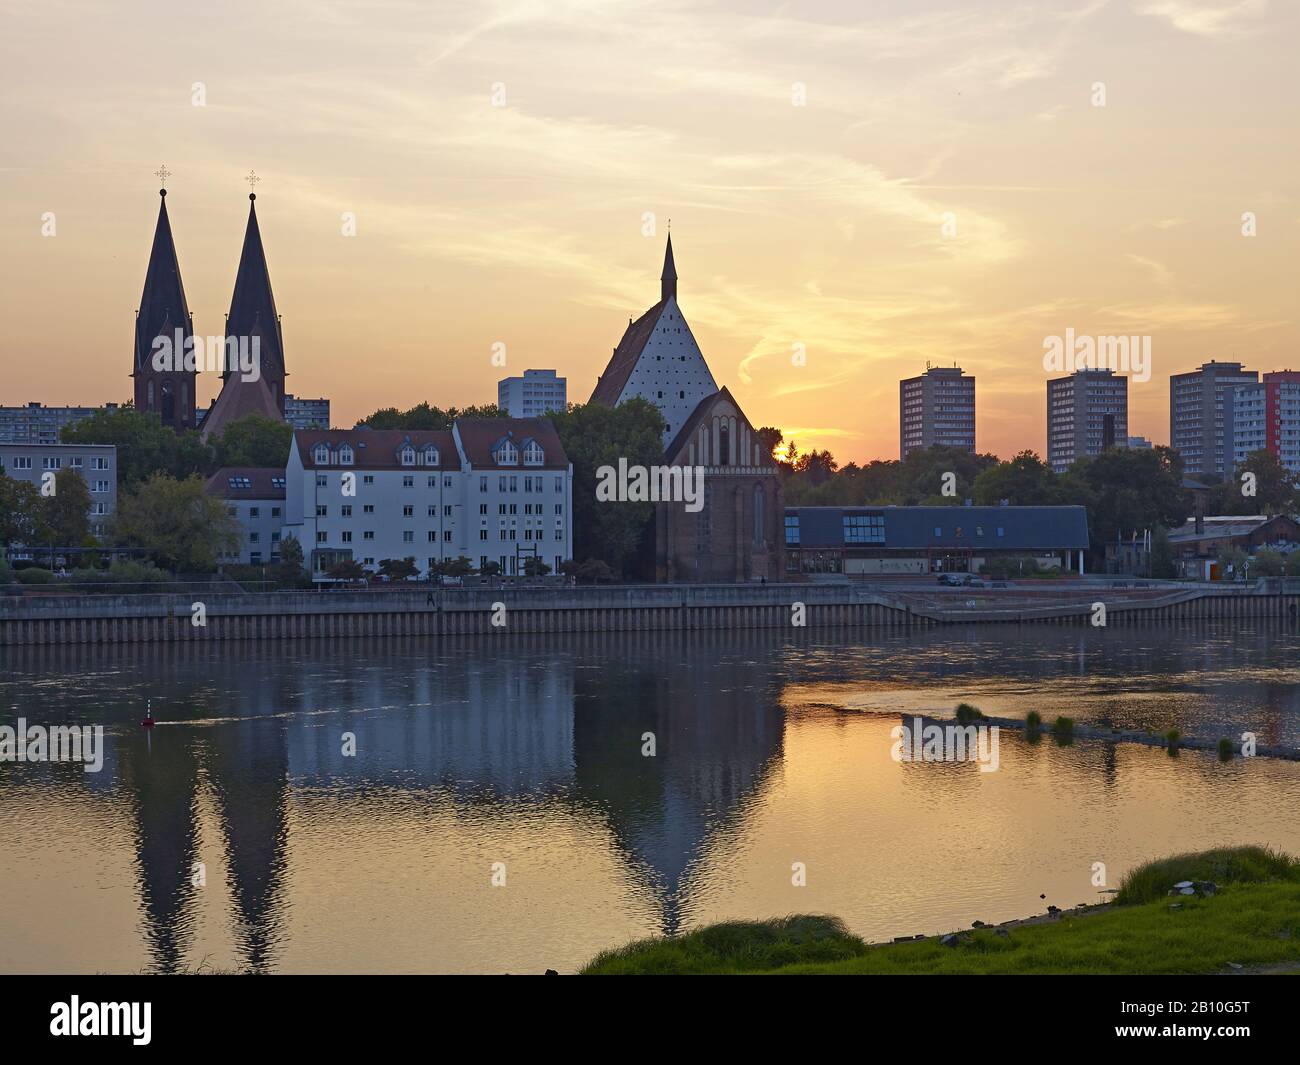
(499, 812)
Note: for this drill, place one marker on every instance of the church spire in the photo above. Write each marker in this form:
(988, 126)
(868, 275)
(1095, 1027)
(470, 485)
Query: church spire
(252, 307)
(164, 312)
(668, 282)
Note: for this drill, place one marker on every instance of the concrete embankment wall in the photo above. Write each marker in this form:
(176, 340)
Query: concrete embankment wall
(361, 614)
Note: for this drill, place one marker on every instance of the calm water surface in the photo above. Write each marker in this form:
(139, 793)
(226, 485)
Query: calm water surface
(771, 750)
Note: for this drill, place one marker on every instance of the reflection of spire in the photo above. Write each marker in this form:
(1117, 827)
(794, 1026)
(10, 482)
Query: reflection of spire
(248, 767)
(162, 780)
(718, 730)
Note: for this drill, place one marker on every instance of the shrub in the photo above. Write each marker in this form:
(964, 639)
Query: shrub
(1225, 750)
(33, 575)
(1033, 720)
(1063, 729)
(1172, 737)
(1153, 880)
(967, 713)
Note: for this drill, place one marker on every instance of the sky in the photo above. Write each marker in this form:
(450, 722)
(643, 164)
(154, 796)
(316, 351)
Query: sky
(855, 190)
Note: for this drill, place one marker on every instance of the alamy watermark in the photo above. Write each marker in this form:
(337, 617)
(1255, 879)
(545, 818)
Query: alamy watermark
(933, 742)
(242, 355)
(1123, 354)
(651, 484)
(62, 743)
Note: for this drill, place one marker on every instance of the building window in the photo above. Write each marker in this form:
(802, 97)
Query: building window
(345, 455)
(408, 537)
(792, 528)
(408, 511)
(408, 455)
(408, 481)
(533, 455)
(507, 454)
(321, 455)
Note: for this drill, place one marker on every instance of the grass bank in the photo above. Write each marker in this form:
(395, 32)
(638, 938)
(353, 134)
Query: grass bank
(1252, 920)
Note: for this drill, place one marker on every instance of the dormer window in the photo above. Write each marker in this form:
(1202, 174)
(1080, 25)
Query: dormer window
(408, 455)
(345, 455)
(430, 455)
(533, 454)
(321, 455)
(507, 454)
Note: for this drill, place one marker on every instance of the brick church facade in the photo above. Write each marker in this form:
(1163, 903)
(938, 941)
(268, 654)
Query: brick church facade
(737, 535)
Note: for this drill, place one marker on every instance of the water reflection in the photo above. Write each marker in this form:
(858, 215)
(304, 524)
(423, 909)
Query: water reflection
(531, 751)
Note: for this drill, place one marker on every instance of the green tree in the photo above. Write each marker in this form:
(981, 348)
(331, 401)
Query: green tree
(398, 569)
(177, 522)
(425, 416)
(1128, 490)
(144, 445)
(594, 436)
(1267, 563)
(1274, 485)
(253, 441)
(461, 566)
(22, 513)
(67, 510)
(770, 438)
(291, 570)
(535, 567)
(1293, 564)
(1163, 564)
(490, 569)
(1024, 481)
(346, 569)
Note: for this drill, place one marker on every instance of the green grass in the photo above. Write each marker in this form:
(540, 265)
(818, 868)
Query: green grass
(1254, 919)
(1152, 881)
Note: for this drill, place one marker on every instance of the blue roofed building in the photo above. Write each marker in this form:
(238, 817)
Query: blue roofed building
(902, 541)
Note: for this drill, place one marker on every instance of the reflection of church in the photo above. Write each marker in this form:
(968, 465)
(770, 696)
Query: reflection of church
(486, 737)
(738, 534)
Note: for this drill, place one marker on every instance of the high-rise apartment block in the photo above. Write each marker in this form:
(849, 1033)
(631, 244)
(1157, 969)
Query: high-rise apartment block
(1201, 416)
(937, 409)
(1087, 413)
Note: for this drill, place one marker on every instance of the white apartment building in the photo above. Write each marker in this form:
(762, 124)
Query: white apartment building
(97, 464)
(493, 490)
(532, 395)
(254, 496)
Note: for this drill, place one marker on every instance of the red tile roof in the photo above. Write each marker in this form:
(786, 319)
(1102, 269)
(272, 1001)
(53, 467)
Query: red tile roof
(479, 436)
(238, 399)
(378, 449)
(228, 482)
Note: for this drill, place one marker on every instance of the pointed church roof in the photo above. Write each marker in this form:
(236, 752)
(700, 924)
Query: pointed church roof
(238, 399)
(252, 306)
(621, 364)
(668, 279)
(163, 308)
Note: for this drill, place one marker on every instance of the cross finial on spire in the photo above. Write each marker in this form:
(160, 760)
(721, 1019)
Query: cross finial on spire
(252, 180)
(162, 174)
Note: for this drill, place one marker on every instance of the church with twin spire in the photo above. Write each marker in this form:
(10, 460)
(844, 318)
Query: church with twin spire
(252, 323)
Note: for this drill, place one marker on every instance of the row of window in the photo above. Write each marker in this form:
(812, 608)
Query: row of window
(505, 454)
(408, 537)
(870, 529)
(408, 510)
(55, 462)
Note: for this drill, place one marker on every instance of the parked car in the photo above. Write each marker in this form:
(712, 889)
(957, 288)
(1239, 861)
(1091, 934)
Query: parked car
(953, 580)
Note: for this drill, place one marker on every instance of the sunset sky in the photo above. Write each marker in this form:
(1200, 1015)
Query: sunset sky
(817, 223)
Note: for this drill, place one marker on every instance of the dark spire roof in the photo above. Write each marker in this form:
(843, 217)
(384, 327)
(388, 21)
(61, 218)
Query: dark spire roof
(252, 307)
(668, 281)
(163, 308)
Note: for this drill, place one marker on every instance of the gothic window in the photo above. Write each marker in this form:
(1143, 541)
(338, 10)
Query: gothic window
(758, 514)
(168, 411)
(150, 400)
(724, 445)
